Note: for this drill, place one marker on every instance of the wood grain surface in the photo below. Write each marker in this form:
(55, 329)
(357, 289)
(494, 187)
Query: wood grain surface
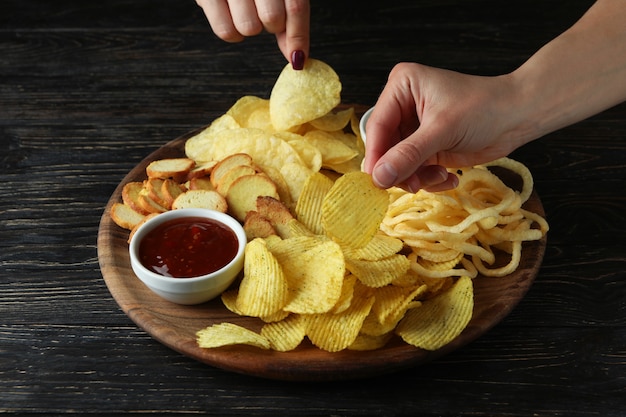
(90, 89)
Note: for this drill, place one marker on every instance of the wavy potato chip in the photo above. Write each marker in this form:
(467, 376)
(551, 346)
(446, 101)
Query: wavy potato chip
(301, 96)
(224, 334)
(441, 319)
(381, 272)
(309, 205)
(334, 332)
(286, 334)
(314, 269)
(353, 209)
(263, 290)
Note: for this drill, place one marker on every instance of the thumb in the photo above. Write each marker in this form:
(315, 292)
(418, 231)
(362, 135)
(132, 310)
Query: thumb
(406, 157)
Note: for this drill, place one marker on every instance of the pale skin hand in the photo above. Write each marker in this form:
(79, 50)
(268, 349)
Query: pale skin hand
(427, 118)
(234, 20)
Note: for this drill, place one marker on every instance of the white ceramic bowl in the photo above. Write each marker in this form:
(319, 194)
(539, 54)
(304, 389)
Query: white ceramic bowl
(363, 122)
(194, 290)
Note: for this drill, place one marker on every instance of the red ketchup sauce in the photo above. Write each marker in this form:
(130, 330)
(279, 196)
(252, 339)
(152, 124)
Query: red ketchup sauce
(188, 247)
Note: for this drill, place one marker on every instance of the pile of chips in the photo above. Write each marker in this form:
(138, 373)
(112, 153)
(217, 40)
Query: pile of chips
(291, 135)
(335, 260)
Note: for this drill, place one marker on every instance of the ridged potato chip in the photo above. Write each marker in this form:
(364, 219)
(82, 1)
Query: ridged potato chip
(381, 246)
(309, 205)
(224, 334)
(439, 320)
(353, 209)
(335, 332)
(263, 290)
(380, 272)
(314, 269)
(286, 334)
(301, 96)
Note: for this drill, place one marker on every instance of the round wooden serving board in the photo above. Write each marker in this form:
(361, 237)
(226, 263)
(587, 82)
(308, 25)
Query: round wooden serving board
(175, 325)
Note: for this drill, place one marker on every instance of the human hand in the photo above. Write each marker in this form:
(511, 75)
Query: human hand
(428, 119)
(234, 20)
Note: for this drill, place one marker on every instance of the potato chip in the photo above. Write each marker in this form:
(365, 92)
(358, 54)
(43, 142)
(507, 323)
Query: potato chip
(439, 320)
(200, 146)
(301, 96)
(332, 149)
(381, 272)
(347, 292)
(286, 334)
(309, 205)
(335, 332)
(392, 302)
(333, 121)
(364, 342)
(314, 269)
(353, 209)
(309, 154)
(263, 290)
(229, 299)
(381, 246)
(264, 148)
(297, 174)
(224, 334)
(244, 107)
(282, 188)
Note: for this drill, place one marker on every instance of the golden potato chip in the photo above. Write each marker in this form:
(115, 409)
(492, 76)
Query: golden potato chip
(309, 154)
(347, 292)
(353, 209)
(301, 96)
(309, 205)
(392, 302)
(439, 320)
(244, 107)
(314, 269)
(297, 174)
(264, 148)
(364, 342)
(286, 334)
(381, 246)
(296, 228)
(225, 334)
(381, 272)
(229, 299)
(282, 188)
(263, 290)
(346, 167)
(335, 332)
(333, 121)
(333, 150)
(391, 306)
(200, 146)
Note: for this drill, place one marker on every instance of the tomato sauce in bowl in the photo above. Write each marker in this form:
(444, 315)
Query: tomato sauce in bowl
(188, 247)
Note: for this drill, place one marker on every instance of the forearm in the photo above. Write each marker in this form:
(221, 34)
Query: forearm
(578, 74)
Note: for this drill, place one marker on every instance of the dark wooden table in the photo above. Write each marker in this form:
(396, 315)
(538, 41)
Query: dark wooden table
(88, 89)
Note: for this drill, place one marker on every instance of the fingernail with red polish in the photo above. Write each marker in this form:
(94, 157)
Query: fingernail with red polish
(297, 60)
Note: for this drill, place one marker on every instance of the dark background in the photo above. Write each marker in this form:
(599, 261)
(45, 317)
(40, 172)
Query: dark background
(88, 89)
